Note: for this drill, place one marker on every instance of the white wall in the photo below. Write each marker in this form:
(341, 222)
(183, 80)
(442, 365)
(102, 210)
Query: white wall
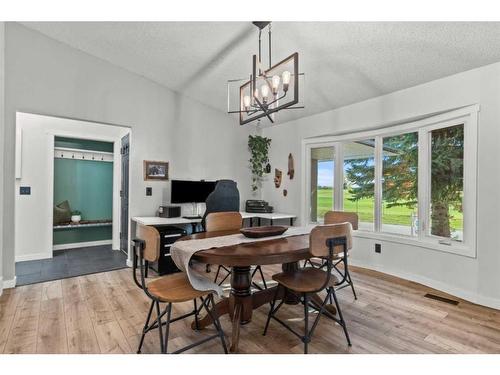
(478, 279)
(35, 168)
(2, 119)
(47, 77)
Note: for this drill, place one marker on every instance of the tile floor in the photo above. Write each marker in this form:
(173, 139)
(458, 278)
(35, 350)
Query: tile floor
(70, 263)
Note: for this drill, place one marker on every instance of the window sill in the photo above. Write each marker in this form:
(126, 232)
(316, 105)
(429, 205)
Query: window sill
(454, 248)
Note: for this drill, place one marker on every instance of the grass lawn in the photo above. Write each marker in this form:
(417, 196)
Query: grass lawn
(364, 208)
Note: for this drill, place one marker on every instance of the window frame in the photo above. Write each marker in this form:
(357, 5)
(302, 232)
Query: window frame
(468, 116)
(307, 168)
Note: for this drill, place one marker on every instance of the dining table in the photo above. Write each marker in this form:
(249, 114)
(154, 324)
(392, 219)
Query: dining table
(243, 299)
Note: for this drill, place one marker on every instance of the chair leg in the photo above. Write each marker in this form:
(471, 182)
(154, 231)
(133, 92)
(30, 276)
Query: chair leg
(216, 321)
(196, 319)
(262, 276)
(145, 327)
(160, 329)
(217, 274)
(341, 318)
(305, 339)
(271, 310)
(349, 280)
(225, 277)
(167, 326)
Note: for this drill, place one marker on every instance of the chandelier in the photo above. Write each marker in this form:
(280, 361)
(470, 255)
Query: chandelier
(267, 91)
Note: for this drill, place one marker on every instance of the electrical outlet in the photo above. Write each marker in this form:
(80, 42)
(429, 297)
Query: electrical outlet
(149, 191)
(378, 248)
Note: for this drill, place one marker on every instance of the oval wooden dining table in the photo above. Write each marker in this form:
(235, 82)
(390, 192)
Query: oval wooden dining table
(287, 251)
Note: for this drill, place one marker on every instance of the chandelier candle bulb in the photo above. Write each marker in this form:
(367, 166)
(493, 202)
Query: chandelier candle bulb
(246, 102)
(264, 90)
(275, 84)
(286, 80)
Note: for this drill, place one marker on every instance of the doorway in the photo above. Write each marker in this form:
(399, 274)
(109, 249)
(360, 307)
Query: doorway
(81, 181)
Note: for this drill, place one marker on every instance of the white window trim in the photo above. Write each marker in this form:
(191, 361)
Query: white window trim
(466, 115)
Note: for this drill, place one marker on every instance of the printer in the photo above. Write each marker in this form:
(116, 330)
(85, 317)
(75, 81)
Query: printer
(258, 206)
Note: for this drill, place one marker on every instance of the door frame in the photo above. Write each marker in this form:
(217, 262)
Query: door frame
(72, 131)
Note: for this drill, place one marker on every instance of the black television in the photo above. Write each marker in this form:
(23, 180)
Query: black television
(183, 191)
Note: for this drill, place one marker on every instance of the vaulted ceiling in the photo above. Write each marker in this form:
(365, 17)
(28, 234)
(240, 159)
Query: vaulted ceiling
(344, 62)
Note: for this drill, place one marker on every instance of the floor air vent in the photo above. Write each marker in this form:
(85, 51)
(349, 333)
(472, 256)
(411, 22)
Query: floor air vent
(442, 299)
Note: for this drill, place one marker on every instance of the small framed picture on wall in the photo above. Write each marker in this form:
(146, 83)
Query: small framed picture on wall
(155, 170)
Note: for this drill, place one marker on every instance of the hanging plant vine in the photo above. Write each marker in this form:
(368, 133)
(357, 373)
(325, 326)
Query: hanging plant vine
(259, 151)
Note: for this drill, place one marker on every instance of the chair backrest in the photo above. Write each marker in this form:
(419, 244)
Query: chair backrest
(320, 234)
(151, 237)
(224, 198)
(217, 221)
(337, 217)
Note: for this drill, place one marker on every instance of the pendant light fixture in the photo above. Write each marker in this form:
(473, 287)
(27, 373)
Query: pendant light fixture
(270, 90)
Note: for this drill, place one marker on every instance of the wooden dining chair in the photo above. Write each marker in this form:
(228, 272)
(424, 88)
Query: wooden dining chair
(325, 241)
(337, 217)
(169, 289)
(225, 221)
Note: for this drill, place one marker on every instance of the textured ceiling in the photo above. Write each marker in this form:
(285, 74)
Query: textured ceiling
(344, 62)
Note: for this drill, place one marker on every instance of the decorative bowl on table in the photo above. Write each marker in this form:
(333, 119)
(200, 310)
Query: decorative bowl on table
(266, 231)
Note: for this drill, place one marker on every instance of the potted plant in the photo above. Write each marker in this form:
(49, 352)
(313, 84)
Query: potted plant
(76, 216)
(259, 160)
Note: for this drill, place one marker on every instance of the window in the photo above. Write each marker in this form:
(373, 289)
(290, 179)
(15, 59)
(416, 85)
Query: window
(322, 163)
(400, 184)
(359, 181)
(413, 183)
(447, 184)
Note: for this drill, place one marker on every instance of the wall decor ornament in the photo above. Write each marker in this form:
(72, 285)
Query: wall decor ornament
(285, 192)
(291, 169)
(155, 170)
(277, 177)
(259, 158)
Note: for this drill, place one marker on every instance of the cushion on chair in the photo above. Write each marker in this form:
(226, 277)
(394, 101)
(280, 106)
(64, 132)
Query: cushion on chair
(174, 288)
(62, 213)
(304, 280)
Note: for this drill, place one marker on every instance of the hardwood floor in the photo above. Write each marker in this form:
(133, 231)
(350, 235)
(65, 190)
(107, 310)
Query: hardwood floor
(104, 313)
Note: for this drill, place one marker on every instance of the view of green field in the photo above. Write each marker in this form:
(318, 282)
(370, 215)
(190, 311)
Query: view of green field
(364, 208)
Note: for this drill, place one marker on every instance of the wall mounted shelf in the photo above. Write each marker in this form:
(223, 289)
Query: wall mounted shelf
(79, 154)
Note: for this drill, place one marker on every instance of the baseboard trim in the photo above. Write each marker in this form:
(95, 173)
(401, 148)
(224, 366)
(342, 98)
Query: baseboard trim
(438, 285)
(7, 284)
(36, 256)
(81, 244)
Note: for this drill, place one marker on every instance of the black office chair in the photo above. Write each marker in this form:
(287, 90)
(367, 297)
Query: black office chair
(224, 198)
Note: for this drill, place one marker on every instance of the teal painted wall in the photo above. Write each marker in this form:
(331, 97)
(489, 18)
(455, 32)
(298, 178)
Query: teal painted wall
(88, 187)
